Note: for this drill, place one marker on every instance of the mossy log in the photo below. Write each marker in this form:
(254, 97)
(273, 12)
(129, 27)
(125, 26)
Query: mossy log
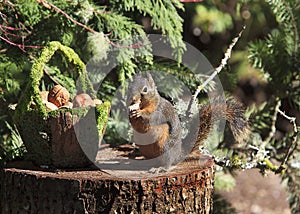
(183, 190)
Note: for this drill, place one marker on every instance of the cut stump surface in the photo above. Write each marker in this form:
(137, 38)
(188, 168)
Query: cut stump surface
(183, 190)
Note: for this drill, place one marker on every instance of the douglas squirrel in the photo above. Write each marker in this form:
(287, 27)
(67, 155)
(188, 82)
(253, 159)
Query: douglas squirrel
(156, 125)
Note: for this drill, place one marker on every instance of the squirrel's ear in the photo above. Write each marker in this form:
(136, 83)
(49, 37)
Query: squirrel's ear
(138, 72)
(150, 79)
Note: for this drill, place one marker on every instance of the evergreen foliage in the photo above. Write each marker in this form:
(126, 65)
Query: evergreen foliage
(278, 58)
(97, 28)
(91, 28)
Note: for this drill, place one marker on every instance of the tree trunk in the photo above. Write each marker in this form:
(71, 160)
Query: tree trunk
(183, 190)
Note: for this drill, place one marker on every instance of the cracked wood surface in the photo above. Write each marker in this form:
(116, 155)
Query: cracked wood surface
(183, 190)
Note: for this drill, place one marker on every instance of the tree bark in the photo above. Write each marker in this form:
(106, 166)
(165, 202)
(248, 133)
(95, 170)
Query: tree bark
(183, 190)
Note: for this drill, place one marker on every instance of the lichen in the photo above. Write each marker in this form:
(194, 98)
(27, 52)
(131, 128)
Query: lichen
(270, 166)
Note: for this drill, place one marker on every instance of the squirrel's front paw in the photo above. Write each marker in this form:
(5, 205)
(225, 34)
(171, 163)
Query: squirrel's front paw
(134, 113)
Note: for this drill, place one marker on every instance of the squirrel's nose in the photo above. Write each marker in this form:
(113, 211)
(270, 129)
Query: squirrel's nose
(135, 99)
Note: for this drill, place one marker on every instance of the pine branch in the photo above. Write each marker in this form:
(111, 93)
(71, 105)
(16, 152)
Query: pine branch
(284, 14)
(166, 20)
(49, 5)
(294, 24)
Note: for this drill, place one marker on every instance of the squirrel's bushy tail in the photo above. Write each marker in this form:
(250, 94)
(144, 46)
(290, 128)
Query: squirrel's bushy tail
(219, 108)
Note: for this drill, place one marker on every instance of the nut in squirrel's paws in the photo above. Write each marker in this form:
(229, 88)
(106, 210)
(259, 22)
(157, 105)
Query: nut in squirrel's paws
(134, 110)
(134, 113)
(134, 106)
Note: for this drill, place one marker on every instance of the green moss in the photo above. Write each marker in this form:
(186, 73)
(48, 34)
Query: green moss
(34, 124)
(36, 134)
(102, 113)
(32, 92)
(80, 112)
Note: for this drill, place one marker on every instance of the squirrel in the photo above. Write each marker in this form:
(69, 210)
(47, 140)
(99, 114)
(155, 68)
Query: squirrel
(157, 128)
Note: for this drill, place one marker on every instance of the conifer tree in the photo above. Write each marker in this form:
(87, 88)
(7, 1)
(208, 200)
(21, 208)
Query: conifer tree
(278, 58)
(90, 28)
(95, 26)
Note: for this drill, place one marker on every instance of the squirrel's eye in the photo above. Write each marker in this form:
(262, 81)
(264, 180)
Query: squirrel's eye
(145, 89)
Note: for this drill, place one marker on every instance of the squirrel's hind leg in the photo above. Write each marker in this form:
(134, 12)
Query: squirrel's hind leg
(168, 159)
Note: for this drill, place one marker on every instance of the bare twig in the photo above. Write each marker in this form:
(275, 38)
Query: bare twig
(291, 119)
(21, 46)
(293, 144)
(50, 77)
(273, 128)
(10, 28)
(224, 61)
(10, 32)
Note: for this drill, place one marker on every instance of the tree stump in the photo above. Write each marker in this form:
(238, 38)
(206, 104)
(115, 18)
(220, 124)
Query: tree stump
(183, 190)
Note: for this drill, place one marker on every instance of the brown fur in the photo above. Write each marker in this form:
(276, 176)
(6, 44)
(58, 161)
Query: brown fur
(231, 110)
(157, 148)
(158, 120)
(147, 106)
(140, 124)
